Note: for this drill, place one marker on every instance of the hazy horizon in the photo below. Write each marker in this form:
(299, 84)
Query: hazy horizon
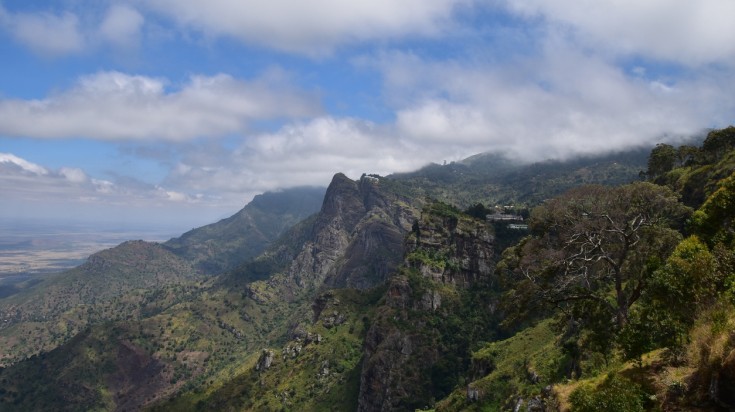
(37, 247)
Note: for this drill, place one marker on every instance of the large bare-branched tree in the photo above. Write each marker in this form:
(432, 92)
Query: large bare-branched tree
(595, 247)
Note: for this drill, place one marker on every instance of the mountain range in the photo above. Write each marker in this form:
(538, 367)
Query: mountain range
(377, 294)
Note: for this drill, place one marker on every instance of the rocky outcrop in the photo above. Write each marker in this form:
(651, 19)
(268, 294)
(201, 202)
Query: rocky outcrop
(356, 240)
(265, 360)
(722, 386)
(386, 382)
(458, 250)
(413, 340)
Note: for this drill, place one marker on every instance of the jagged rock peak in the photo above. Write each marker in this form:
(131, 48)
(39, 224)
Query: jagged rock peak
(357, 238)
(343, 199)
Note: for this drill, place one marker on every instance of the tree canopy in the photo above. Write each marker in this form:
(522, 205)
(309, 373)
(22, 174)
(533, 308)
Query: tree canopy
(593, 249)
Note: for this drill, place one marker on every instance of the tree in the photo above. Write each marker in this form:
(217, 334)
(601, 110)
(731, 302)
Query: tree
(596, 246)
(662, 159)
(478, 211)
(718, 143)
(715, 220)
(689, 282)
(687, 155)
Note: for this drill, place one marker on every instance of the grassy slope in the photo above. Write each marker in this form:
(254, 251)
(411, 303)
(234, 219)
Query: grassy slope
(130, 281)
(224, 245)
(318, 368)
(515, 367)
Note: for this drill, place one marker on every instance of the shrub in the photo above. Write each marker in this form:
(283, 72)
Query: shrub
(615, 393)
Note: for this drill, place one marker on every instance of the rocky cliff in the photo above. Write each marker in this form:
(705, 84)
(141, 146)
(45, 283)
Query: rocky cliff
(356, 241)
(440, 300)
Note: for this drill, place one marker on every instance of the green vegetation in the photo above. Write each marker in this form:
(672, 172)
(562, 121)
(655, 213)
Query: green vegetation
(493, 180)
(592, 255)
(699, 170)
(317, 369)
(614, 394)
(132, 281)
(618, 297)
(677, 292)
(224, 245)
(520, 366)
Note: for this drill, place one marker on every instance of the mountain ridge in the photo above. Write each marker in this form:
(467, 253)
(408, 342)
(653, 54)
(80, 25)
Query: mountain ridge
(354, 249)
(221, 246)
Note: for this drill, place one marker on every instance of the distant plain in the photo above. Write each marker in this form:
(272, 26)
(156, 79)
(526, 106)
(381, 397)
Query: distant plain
(32, 250)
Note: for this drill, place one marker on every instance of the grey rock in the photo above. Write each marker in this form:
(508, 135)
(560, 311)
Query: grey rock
(265, 360)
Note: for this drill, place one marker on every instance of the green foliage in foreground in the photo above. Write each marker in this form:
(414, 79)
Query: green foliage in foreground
(696, 171)
(614, 394)
(504, 370)
(592, 253)
(673, 297)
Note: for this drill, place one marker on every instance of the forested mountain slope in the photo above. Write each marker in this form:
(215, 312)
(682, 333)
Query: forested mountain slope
(124, 282)
(137, 278)
(633, 323)
(222, 246)
(378, 302)
(494, 180)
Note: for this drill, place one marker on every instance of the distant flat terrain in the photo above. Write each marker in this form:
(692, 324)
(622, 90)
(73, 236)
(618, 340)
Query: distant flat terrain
(31, 250)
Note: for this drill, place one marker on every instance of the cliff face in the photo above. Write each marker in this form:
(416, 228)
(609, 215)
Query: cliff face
(358, 236)
(450, 249)
(438, 267)
(418, 345)
(356, 241)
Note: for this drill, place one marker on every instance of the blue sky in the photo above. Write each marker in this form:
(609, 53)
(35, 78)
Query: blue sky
(179, 111)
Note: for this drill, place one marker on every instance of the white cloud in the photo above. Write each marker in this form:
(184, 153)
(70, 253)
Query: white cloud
(45, 33)
(683, 31)
(103, 186)
(307, 153)
(22, 164)
(309, 27)
(121, 26)
(31, 190)
(78, 31)
(560, 103)
(114, 105)
(73, 174)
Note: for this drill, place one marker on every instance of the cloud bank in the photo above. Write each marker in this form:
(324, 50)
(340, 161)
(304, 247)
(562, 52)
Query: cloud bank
(313, 27)
(560, 104)
(68, 194)
(74, 32)
(681, 31)
(117, 106)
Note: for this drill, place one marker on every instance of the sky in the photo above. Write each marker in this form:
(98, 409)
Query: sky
(178, 112)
